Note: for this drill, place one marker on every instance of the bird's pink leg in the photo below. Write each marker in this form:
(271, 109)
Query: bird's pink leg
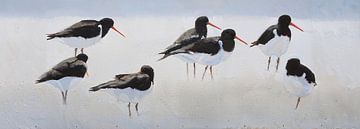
(211, 73)
(194, 70)
(268, 63)
(297, 104)
(76, 51)
(129, 109)
(66, 91)
(277, 64)
(204, 72)
(136, 107)
(187, 70)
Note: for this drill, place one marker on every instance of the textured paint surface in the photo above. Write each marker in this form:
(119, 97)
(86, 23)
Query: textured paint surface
(242, 95)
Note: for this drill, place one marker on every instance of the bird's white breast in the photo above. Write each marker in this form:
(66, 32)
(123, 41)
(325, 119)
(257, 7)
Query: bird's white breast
(298, 86)
(128, 94)
(188, 58)
(65, 83)
(276, 46)
(208, 59)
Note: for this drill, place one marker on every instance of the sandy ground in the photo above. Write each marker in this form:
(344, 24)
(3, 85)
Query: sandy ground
(243, 94)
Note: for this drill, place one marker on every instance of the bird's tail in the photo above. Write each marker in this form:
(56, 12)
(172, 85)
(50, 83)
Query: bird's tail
(43, 78)
(48, 76)
(95, 88)
(167, 54)
(164, 52)
(297, 104)
(38, 81)
(254, 43)
(50, 36)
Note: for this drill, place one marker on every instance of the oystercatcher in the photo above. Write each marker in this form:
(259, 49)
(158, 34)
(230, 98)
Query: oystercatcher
(66, 74)
(300, 79)
(84, 33)
(134, 86)
(209, 51)
(275, 40)
(187, 39)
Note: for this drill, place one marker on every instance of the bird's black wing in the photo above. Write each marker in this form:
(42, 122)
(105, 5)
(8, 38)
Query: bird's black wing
(119, 76)
(207, 45)
(185, 41)
(309, 75)
(266, 36)
(137, 81)
(84, 28)
(186, 37)
(71, 67)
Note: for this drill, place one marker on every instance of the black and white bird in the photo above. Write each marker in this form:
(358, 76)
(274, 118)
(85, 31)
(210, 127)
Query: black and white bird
(187, 39)
(275, 40)
(134, 85)
(209, 51)
(66, 74)
(299, 79)
(84, 33)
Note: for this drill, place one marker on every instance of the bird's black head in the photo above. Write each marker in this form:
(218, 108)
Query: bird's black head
(228, 34)
(149, 71)
(201, 21)
(82, 57)
(284, 20)
(227, 38)
(106, 24)
(200, 25)
(292, 64)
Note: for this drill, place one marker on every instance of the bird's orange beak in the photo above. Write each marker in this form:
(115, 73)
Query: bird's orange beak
(209, 23)
(292, 24)
(238, 38)
(118, 31)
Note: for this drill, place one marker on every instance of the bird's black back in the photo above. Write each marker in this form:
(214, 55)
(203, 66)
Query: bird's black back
(185, 41)
(140, 81)
(71, 67)
(182, 44)
(270, 32)
(137, 81)
(84, 29)
(207, 46)
(294, 68)
(188, 38)
(267, 35)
